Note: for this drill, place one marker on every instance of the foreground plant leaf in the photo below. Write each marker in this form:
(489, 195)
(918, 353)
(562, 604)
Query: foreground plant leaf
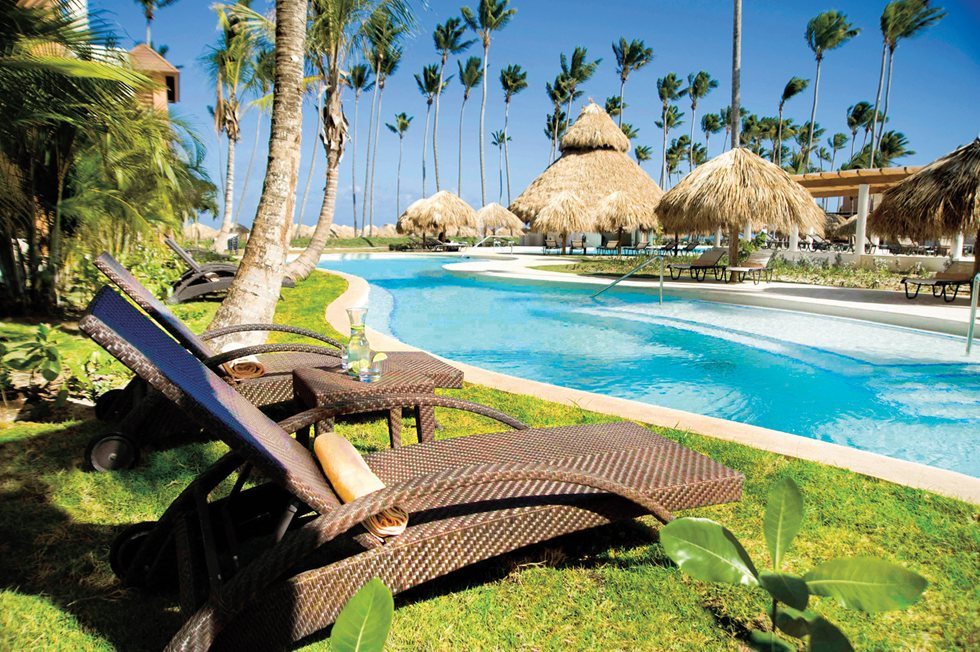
(826, 637)
(866, 584)
(363, 624)
(769, 642)
(789, 589)
(784, 514)
(794, 622)
(707, 551)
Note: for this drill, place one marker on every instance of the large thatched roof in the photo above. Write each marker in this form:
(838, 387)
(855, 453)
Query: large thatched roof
(941, 199)
(617, 211)
(735, 189)
(593, 165)
(564, 214)
(495, 216)
(443, 211)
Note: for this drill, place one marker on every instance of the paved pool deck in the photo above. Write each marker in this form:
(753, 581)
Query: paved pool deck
(875, 305)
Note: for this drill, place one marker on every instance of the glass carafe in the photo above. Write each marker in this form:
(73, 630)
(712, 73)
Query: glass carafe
(358, 348)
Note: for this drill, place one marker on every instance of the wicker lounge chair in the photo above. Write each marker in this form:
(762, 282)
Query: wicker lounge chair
(958, 274)
(609, 247)
(699, 268)
(201, 280)
(572, 246)
(275, 562)
(756, 267)
(551, 244)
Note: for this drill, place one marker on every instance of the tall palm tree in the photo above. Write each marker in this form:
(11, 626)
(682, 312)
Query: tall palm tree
(670, 119)
(630, 56)
(669, 89)
(513, 80)
(229, 64)
(491, 16)
(793, 87)
(255, 291)
(576, 71)
(558, 93)
(555, 123)
(470, 76)
(499, 140)
(359, 79)
(837, 142)
(735, 111)
(710, 124)
(260, 84)
(725, 115)
(824, 32)
(858, 115)
(699, 154)
(643, 153)
(629, 130)
(448, 39)
(402, 122)
(150, 8)
(901, 19)
(698, 85)
(893, 146)
(429, 85)
(614, 107)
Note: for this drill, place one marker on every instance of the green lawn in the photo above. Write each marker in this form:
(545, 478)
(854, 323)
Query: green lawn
(615, 592)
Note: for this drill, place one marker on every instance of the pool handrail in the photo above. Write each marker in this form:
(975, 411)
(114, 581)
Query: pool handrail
(973, 313)
(625, 276)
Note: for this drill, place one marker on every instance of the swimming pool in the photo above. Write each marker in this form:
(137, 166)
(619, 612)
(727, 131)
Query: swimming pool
(905, 393)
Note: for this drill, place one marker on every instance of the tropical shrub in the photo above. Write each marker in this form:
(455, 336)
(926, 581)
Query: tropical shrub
(40, 358)
(707, 551)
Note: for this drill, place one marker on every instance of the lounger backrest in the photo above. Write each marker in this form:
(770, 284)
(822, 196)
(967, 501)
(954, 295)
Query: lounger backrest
(758, 259)
(183, 254)
(960, 270)
(136, 291)
(710, 257)
(138, 343)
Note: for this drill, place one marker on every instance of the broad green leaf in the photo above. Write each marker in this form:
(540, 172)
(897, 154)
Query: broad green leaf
(784, 514)
(707, 551)
(825, 637)
(794, 622)
(789, 589)
(866, 584)
(363, 624)
(769, 642)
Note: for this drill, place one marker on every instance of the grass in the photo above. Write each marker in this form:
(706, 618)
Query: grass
(616, 591)
(353, 243)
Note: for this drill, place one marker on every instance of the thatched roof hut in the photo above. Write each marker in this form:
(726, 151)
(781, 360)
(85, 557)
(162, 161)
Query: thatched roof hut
(594, 164)
(618, 212)
(443, 211)
(495, 216)
(735, 189)
(564, 214)
(940, 200)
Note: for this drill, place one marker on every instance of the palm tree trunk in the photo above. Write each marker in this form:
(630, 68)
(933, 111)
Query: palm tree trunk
(690, 149)
(876, 144)
(500, 172)
(459, 163)
(736, 106)
(854, 135)
(483, 115)
(707, 138)
(425, 140)
(254, 292)
(874, 116)
(663, 150)
(248, 168)
(506, 148)
(398, 178)
(353, 160)
(813, 115)
(374, 160)
(435, 126)
(367, 155)
(622, 91)
(777, 150)
(227, 218)
(309, 173)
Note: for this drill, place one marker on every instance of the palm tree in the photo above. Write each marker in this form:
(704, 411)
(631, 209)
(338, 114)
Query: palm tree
(359, 79)
(402, 122)
(513, 79)
(669, 120)
(261, 85)
(491, 16)
(698, 85)
(858, 115)
(629, 130)
(558, 93)
(669, 89)
(429, 86)
(630, 56)
(794, 87)
(710, 124)
(470, 76)
(499, 140)
(448, 39)
(837, 142)
(150, 8)
(893, 146)
(614, 107)
(699, 154)
(725, 115)
(735, 111)
(678, 151)
(255, 291)
(555, 122)
(826, 31)
(576, 71)
(901, 19)
(642, 153)
(229, 64)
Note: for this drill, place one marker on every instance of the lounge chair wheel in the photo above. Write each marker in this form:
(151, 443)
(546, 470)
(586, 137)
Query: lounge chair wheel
(126, 546)
(110, 406)
(111, 452)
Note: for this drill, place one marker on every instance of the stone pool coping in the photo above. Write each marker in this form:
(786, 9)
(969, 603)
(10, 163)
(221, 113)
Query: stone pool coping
(902, 472)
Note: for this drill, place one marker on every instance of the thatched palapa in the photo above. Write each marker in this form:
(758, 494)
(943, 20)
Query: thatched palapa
(617, 212)
(495, 216)
(442, 212)
(593, 165)
(940, 200)
(564, 214)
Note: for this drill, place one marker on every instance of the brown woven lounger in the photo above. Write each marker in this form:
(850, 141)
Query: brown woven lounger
(275, 562)
(698, 269)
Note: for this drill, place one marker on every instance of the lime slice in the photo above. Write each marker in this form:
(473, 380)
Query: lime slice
(378, 357)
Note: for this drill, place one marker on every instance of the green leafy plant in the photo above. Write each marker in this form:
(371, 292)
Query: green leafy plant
(39, 356)
(6, 384)
(707, 551)
(364, 622)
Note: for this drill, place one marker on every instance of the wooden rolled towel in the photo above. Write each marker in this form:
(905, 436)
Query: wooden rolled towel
(351, 478)
(243, 368)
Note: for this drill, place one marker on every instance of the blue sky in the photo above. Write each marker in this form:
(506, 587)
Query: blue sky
(935, 95)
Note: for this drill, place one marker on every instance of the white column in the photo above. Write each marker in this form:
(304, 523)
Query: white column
(747, 234)
(794, 238)
(864, 197)
(957, 251)
(718, 236)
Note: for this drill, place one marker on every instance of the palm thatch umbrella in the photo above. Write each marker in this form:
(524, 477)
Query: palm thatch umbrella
(442, 212)
(494, 216)
(940, 200)
(593, 165)
(735, 189)
(564, 214)
(618, 212)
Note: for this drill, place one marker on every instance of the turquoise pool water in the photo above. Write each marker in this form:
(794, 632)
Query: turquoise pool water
(896, 391)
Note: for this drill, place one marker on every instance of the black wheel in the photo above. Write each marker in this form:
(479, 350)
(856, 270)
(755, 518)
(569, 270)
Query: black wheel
(125, 547)
(112, 452)
(111, 406)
